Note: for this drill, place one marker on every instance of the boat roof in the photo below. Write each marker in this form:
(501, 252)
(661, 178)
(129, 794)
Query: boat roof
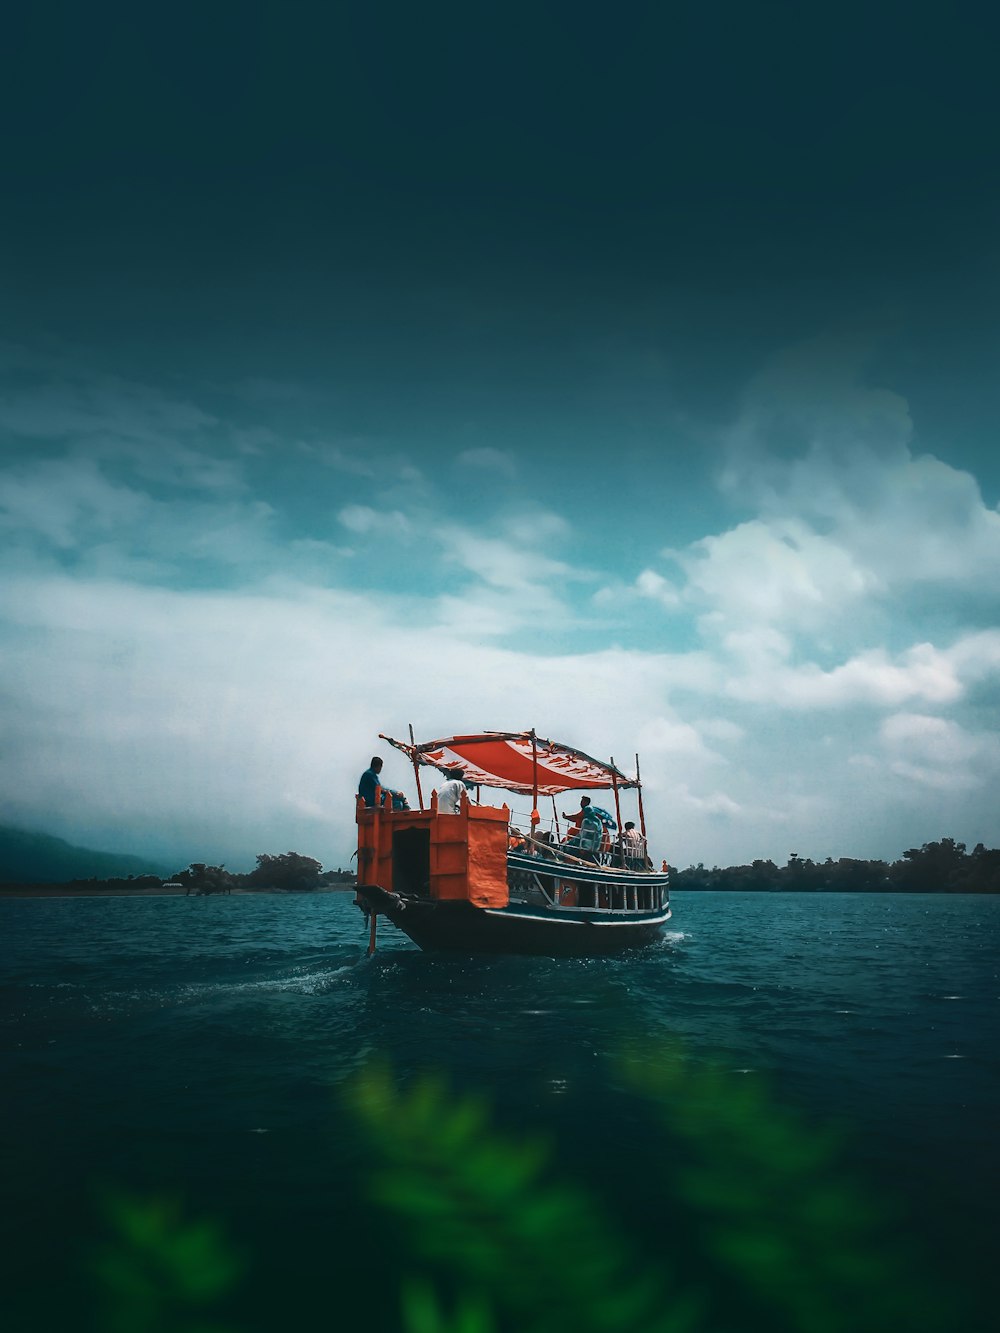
(508, 759)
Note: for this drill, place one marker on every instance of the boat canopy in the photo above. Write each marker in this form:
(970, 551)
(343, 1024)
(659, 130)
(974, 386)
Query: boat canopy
(517, 761)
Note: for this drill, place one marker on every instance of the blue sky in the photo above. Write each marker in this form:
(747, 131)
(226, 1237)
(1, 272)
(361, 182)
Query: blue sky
(658, 413)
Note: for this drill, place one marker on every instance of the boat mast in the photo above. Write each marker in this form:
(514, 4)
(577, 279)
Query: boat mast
(416, 767)
(638, 787)
(618, 807)
(536, 818)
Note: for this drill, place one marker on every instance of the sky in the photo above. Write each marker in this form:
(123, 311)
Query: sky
(627, 374)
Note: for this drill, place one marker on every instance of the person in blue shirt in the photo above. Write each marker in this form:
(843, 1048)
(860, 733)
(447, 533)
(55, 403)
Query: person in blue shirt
(370, 780)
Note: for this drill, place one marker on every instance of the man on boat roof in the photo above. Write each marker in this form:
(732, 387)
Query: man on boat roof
(370, 780)
(370, 783)
(450, 793)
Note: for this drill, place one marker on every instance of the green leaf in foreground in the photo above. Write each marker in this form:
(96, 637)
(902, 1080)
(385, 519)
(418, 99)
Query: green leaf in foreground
(160, 1272)
(483, 1212)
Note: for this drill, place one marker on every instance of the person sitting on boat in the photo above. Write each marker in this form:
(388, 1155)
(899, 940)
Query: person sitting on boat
(632, 850)
(371, 781)
(542, 845)
(450, 793)
(576, 820)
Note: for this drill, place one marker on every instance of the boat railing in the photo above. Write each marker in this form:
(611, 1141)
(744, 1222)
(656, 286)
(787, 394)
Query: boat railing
(566, 881)
(630, 853)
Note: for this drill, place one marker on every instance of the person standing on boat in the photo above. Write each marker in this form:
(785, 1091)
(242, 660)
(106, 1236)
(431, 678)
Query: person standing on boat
(370, 781)
(450, 793)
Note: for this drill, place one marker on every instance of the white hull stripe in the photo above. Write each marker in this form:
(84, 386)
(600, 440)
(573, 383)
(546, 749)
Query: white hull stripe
(577, 921)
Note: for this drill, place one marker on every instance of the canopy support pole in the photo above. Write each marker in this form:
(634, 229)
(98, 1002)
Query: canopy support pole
(555, 820)
(618, 812)
(416, 771)
(536, 818)
(638, 788)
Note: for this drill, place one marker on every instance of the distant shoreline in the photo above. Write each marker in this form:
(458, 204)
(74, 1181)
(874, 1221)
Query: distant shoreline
(65, 891)
(93, 891)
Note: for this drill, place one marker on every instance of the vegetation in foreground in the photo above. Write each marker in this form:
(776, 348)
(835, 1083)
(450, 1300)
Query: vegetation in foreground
(751, 1222)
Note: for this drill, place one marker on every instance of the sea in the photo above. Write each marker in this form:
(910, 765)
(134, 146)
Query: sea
(183, 1072)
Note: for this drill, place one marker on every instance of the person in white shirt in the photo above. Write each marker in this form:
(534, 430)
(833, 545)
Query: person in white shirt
(450, 793)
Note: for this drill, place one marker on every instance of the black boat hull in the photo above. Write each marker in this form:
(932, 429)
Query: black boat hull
(459, 927)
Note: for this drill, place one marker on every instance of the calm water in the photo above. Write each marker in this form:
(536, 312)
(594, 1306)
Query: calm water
(197, 1045)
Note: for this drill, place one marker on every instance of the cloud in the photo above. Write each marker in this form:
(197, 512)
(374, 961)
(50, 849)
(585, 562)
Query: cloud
(180, 628)
(649, 585)
(364, 520)
(871, 677)
(489, 460)
(656, 588)
(218, 718)
(511, 581)
(829, 461)
(938, 752)
(670, 737)
(63, 502)
(352, 462)
(778, 572)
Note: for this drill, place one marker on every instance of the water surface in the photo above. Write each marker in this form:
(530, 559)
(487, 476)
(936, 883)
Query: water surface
(198, 1045)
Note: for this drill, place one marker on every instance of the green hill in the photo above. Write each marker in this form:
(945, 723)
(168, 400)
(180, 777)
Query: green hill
(37, 858)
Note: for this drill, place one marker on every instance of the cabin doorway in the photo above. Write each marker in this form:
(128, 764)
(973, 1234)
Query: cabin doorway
(411, 861)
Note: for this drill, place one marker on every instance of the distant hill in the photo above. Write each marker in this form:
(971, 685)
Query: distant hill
(37, 858)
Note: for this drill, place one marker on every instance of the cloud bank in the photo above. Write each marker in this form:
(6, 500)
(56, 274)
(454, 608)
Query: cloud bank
(201, 642)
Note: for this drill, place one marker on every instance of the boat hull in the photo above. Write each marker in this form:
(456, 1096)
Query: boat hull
(459, 927)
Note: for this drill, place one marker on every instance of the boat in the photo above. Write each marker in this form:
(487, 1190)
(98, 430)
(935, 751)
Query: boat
(489, 879)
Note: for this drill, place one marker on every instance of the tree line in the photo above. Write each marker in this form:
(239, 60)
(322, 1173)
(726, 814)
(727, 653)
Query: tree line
(290, 872)
(935, 867)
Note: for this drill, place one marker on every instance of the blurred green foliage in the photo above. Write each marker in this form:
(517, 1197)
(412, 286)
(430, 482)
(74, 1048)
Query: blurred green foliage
(743, 1218)
(767, 1209)
(481, 1209)
(160, 1272)
(749, 1220)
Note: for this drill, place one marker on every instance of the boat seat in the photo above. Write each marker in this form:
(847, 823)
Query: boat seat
(590, 837)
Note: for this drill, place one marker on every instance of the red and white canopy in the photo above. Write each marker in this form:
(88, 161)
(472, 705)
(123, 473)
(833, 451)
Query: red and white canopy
(513, 759)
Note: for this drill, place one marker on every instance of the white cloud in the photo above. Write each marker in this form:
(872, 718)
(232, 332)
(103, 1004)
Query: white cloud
(777, 572)
(721, 729)
(511, 581)
(714, 804)
(64, 501)
(672, 738)
(818, 449)
(656, 588)
(938, 752)
(935, 738)
(352, 462)
(364, 520)
(99, 409)
(871, 677)
(229, 718)
(489, 460)
(235, 720)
